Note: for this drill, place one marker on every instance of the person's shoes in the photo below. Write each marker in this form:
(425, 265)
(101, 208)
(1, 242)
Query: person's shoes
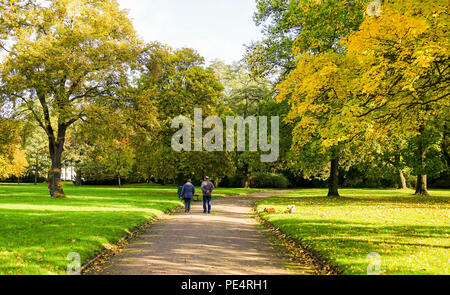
(209, 212)
(204, 212)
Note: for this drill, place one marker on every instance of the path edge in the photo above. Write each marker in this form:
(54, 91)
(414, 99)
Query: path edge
(297, 249)
(92, 264)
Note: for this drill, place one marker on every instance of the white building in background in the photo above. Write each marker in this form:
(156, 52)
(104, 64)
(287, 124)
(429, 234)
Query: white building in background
(68, 174)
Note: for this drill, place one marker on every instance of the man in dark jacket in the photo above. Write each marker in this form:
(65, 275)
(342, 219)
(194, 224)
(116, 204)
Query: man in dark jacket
(207, 188)
(188, 193)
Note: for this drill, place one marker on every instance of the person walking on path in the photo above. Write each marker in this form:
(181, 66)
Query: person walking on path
(207, 188)
(188, 193)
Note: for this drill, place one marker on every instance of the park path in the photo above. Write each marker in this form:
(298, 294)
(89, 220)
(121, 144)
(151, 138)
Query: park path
(227, 242)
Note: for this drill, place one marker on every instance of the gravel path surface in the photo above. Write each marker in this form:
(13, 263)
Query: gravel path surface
(227, 242)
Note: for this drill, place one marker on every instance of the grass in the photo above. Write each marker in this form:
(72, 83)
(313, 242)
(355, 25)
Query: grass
(411, 234)
(37, 232)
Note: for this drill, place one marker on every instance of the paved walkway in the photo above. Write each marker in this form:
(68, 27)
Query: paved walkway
(227, 242)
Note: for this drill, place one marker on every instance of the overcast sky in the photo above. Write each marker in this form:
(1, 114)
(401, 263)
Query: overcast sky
(217, 29)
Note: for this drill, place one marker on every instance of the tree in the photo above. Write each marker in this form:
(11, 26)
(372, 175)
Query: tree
(301, 24)
(37, 151)
(19, 163)
(313, 26)
(245, 95)
(281, 27)
(320, 91)
(66, 56)
(177, 83)
(405, 73)
(12, 157)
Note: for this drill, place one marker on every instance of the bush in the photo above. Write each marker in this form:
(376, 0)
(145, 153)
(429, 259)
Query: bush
(268, 180)
(236, 181)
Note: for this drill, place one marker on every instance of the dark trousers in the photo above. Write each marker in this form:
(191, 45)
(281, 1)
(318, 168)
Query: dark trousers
(207, 201)
(187, 204)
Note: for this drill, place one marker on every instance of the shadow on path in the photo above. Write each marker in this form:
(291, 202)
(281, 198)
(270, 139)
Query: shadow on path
(227, 242)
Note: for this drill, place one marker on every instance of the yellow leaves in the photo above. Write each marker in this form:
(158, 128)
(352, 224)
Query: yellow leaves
(15, 165)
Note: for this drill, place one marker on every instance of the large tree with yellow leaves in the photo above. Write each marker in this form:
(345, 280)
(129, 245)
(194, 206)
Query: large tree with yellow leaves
(320, 86)
(404, 74)
(62, 57)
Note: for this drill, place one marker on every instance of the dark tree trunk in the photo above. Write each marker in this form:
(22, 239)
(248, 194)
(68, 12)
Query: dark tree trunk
(445, 145)
(36, 167)
(78, 180)
(56, 150)
(421, 187)
(403, 184)
(246, 180)
(333, 181)
(55, 175)
(180, 179)
(247, 176)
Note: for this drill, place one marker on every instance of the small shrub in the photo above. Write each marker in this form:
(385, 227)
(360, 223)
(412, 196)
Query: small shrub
(268, 180)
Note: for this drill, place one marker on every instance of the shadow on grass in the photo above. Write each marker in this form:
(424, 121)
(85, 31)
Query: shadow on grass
(409, 232)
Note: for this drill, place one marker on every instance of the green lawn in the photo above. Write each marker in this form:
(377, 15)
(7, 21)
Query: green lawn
(37, 232)
(411, 234)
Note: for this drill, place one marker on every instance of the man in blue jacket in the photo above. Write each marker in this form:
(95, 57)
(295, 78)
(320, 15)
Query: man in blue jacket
(188, 193)
(207, 188)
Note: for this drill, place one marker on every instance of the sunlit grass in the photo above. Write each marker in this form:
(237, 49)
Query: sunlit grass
(37, 232)
(410, 233)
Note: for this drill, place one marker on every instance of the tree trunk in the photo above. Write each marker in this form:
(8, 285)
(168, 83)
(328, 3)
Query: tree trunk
(217, 182)
(55, 175)
(56, 150)
(36, 171)
(246, 180)
(333, 181)
(421, 187)
(119, 181)
(180, 179)
(78, 180)
(402, 180)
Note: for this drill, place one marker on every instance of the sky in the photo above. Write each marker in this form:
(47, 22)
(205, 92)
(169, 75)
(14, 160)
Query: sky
(217, 29)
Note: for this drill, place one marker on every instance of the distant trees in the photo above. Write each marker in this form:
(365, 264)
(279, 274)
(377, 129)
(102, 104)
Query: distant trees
(177, 82)
(13, 160)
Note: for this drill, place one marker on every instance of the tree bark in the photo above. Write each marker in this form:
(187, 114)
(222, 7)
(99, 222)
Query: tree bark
(246, 180)
(56, 149)
(421, 187)
(36, 171)
(119, 180)
(402, 180)
(55, 174)
(180, 179)
(333, 181)
(78, 180)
